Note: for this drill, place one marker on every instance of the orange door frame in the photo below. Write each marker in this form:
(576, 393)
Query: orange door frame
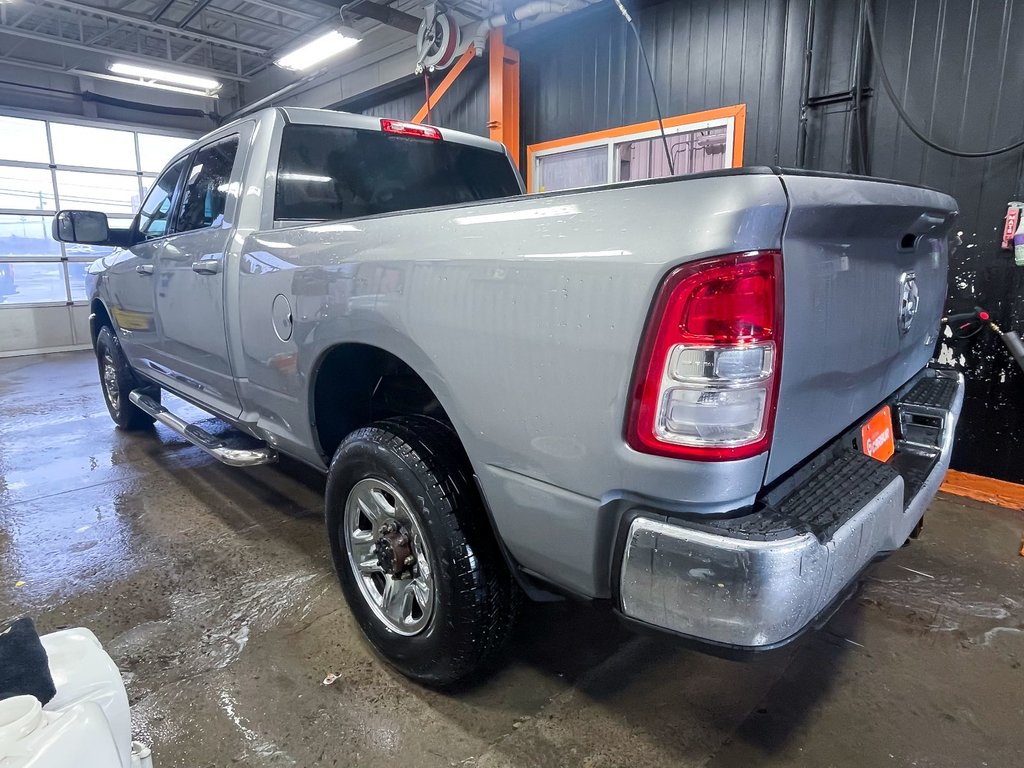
(504, 94)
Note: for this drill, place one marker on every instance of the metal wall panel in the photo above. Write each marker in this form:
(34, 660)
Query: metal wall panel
(584, 73)
(958, 71)
(463, 108)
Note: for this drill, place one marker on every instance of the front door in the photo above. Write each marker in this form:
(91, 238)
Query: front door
(192, 343)
(131, 271)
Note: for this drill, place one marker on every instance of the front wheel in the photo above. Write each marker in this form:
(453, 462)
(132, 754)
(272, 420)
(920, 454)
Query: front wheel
(416, 558)
(118, 380)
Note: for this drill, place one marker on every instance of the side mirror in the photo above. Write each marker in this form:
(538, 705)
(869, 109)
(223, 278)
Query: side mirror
(86, 227)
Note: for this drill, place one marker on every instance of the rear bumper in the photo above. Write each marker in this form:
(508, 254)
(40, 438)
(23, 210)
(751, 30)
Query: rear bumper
(756, 582)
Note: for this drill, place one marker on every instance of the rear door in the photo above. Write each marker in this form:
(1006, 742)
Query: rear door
(192, 338)
(865, 285)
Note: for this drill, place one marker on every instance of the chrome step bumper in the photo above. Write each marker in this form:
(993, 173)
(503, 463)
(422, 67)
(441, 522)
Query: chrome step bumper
(756, 582)
(216, 447)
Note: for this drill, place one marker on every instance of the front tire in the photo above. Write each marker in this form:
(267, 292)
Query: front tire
(416, 558)
(117, 379)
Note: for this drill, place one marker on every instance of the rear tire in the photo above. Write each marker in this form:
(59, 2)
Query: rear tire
(117, 380)
(462, 605)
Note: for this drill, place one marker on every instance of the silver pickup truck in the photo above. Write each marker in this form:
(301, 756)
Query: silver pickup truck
(707, 400)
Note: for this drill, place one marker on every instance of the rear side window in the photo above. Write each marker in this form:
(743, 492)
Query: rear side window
(328, 173)
(206, 186)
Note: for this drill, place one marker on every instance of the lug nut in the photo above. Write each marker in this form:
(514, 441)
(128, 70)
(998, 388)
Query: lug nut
(410, 560)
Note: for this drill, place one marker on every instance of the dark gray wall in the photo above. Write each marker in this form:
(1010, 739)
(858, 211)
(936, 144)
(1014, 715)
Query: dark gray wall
(949, 60)
(463, 107)
(585, 74)
(959, 73)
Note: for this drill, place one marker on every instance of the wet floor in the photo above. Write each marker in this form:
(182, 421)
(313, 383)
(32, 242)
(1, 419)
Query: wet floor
(212, 589)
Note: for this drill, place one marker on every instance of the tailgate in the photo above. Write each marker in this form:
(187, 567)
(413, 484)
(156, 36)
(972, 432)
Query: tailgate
(856, 252)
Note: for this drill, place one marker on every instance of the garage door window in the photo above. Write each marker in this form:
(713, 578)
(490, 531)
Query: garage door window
(107, 148)
(155, 151)
(51, 164)
(24, 140)
(28, 189)
(109, 193)
(697, 142)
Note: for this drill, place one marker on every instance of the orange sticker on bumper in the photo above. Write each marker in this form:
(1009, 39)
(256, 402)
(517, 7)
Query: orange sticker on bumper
(876, 437)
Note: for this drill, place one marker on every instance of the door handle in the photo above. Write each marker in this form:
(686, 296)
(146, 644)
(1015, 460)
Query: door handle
(211, 267)
(144, 269)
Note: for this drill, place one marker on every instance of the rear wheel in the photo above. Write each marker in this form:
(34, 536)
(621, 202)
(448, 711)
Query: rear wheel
(414, 553)
(118, 380)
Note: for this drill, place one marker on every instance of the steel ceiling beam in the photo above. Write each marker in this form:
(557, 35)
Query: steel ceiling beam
(253, 22)
(304, 15)
(189, 52)
(162, 10)
(21, 20)
(128, 55)
(144, 23)
(194, 11)
(107, 32)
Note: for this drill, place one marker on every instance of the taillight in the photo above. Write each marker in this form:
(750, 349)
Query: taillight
(415, 130)
(706, 383)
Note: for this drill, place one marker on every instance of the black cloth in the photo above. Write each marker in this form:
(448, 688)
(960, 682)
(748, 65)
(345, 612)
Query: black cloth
(24, 669)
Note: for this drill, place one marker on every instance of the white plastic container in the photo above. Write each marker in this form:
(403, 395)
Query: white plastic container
(72, 738)
(87, 723)
(83, 672)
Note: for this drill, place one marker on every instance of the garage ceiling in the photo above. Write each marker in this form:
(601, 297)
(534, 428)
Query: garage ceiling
(231, 40)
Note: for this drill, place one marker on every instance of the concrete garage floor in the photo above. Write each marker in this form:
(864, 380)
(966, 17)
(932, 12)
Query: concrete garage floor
(213, 590)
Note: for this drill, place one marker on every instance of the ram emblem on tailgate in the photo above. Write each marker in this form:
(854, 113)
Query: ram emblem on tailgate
(910, 299)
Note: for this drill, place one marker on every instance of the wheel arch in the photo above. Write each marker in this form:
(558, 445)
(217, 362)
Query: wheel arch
(99, 317)
(328, 431)
(353, 384)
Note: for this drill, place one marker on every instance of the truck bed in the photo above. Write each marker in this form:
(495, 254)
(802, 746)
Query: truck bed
(524, 316)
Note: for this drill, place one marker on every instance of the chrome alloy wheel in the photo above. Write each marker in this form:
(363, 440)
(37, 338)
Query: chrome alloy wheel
(110, 385)
(389, 556)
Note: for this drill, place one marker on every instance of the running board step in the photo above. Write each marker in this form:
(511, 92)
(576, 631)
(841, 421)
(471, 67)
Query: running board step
(215, 446)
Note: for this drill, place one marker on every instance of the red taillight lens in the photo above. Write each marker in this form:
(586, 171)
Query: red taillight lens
(415, 130)
(734, 304)
(706, 381)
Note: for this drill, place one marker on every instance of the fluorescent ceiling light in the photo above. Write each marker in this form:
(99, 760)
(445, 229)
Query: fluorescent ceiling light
(164, 76)
(146, 83)
(323, 47)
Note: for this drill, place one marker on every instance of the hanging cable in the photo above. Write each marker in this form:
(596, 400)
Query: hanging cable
(859, 135)
(877, 55)
(426, 90)
(654, 89)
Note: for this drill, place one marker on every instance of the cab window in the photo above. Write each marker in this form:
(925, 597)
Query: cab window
(206, 186)
(330, 172)
(155, 214)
